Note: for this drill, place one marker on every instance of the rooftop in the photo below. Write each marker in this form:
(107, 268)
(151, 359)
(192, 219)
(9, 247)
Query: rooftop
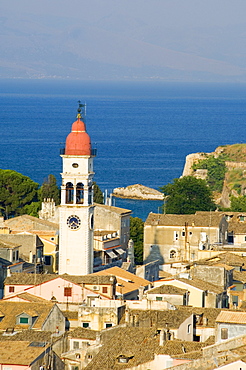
(232, 317)
(140, 346)
(19, 353)
(83, 333)
(167, 289)
(199, 284)
(127, 281)
(20, 278)
(9, 310)
(171, 319)
(26, 222)
(120, 211)
(208, 219)
(8, 245)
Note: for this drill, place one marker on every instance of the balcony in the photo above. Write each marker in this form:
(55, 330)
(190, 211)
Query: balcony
(93, 152)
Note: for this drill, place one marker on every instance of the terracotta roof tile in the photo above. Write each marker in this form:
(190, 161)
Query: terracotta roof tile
(27, 297)
(83, 333)
(26, 222)
(71, 315)
(19, 353)
(140, 345)
(228, 258)
(160, 319)
(203, 285)
(11, 309)
(232, 317)
(239, 276)
(128, 281)
(167, 289)
(31, 336)
(36, 279)
(6, 244)
(118, 210)
(197, 220)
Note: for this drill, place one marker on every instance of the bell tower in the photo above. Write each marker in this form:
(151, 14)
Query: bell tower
(76, 210)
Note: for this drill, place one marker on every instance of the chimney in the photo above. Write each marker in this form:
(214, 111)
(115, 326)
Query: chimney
(204, 321)
(30, 257)
(140, 292)
(127, 316)
(162, 337)
(97, 338)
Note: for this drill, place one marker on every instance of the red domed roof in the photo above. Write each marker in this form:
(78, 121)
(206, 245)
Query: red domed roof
(78, 142)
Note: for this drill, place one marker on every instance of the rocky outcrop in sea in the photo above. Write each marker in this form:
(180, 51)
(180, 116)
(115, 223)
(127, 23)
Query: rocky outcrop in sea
(138, 191)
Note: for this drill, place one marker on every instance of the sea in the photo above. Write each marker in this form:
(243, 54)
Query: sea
(143, 131)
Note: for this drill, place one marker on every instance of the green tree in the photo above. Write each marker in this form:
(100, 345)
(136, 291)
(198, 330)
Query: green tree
(98, 195)
(216, 171)
(238, 204)
(188, 195)
(16, 191)
(136, 234)
(32, 209)
(49, 189)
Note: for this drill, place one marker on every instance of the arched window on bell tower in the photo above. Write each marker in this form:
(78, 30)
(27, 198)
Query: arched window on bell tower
(80, 193)
(69, 193)
(90, 194)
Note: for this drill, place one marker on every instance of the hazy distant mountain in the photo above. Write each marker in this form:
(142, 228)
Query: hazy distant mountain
(118, 47)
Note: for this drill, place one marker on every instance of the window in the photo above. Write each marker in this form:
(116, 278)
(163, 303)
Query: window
(235, 300)
(69, 193)
(75, 345)
(224, 333)
(108, 325)
(189, 328)
(159, 298)
(23, 320)
(105, 289)
(241, 218)
(80, 193)
(67, 292)
(183, 233)
(47, 260)
(175, 235)
(13, 256)
(172, 254)
(90, 192)
(85, 324)
(11, 289)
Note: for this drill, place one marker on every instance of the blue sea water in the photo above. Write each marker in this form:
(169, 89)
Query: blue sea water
(142, 131)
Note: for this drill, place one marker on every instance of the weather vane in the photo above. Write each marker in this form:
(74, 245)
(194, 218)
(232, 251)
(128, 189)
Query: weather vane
(81, 110)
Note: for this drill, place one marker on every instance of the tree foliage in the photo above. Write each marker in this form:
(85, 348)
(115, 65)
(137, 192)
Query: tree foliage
(49, 189)
(16, 192)
(216, 171)
(98, 195)
(136, 234)
(188, 195)
(238, 204)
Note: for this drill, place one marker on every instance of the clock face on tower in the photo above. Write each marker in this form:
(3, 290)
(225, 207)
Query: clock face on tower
(73, 222)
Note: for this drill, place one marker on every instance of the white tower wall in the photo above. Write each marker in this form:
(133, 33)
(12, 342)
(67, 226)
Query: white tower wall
(76, 210)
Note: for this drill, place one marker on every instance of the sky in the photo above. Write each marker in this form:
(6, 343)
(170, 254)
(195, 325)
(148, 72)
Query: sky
(172, 40)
